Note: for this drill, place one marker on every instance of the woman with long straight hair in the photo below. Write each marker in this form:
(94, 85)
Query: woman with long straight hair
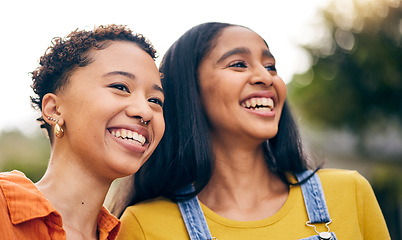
(230, 165)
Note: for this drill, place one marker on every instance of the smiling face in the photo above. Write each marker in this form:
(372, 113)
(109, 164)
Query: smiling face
(241, 93)
(102, 106)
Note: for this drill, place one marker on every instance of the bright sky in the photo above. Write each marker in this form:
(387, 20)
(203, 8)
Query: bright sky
(29, 26)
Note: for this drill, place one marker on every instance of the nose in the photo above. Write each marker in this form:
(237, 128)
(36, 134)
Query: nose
(261, 76)
(139, 108)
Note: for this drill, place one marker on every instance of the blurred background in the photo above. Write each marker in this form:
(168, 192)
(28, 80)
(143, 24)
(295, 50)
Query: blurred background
(350, 99)
(341, 60)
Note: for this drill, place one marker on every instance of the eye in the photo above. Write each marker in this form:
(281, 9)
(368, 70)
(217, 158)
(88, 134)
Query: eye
(156, 101)
(238, 64)
(120, 86)
(271, 68)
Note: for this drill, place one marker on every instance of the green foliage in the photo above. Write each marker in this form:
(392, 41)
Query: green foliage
(355, 83)
(28, 154)
(387, 184)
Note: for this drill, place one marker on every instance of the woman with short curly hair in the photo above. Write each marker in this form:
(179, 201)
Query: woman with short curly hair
(100, 97)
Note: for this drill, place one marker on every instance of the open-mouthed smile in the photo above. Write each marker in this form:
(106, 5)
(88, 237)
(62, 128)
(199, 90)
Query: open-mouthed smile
(129, 136)
(262, 104)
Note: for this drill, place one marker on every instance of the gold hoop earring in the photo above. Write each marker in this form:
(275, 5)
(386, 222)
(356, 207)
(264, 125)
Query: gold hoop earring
(58, 131)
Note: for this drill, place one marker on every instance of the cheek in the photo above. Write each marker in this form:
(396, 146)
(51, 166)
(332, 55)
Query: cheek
(211, 102)
(214, 88)
(282, 92)
(281, 88)
(208, 88)
(208, 92)
(159, 126)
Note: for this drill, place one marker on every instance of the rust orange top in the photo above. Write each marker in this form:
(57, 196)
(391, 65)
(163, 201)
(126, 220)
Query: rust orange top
(25, 213)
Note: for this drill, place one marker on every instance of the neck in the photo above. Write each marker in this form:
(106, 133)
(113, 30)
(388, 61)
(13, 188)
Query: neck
(75, 194)
(242, 184)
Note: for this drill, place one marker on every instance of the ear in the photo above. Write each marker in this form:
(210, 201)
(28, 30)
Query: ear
(50, 109)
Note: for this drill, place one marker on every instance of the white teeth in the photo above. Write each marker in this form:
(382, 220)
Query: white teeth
(253, 102)
(130, 136)
(270, 103)
(123, 133)
(260, 104)
(135, 135)
(264, 101)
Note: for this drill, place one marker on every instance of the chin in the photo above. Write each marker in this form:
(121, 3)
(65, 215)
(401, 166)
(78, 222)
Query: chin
(267, 138)
(124, 170)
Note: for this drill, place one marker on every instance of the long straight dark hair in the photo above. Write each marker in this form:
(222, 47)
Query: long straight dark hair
(185, 155)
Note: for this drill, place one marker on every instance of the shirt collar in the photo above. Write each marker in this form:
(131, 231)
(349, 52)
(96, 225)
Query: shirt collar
(108, 225)
(24, 200)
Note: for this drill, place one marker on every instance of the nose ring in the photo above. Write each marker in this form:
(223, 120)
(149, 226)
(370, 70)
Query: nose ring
(144, 122)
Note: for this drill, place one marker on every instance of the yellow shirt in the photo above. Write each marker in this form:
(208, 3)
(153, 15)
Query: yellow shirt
(351, 202)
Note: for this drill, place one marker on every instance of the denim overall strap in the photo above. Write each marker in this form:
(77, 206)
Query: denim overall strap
(314, 198)
(317, 237)
(314, 201)
(193, 216)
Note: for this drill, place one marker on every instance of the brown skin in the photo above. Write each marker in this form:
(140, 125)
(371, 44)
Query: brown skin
(114, 92)
(242, 188)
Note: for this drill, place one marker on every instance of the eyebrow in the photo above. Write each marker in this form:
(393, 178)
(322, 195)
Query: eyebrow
(235, 51)
(132, 76)
(267, 53)
(122, 73)
(244, 51)
(158, 88)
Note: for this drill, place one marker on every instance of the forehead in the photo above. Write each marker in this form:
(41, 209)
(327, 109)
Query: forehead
(235, 36)
(118, 52)
(124, 56)
(119, 57)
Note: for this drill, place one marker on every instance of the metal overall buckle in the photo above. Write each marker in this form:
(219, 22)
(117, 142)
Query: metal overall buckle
(323, 235)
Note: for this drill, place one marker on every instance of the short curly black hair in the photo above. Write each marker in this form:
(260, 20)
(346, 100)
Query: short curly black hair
(66, 54)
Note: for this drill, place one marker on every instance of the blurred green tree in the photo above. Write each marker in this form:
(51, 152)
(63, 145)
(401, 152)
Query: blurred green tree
(355, 82)
(26, 153)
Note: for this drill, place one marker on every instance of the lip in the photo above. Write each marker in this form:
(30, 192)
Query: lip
(261, 94)
(131, 146)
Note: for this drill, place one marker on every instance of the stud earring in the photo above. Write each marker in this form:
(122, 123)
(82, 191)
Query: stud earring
(58, 130)
(52, 119)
